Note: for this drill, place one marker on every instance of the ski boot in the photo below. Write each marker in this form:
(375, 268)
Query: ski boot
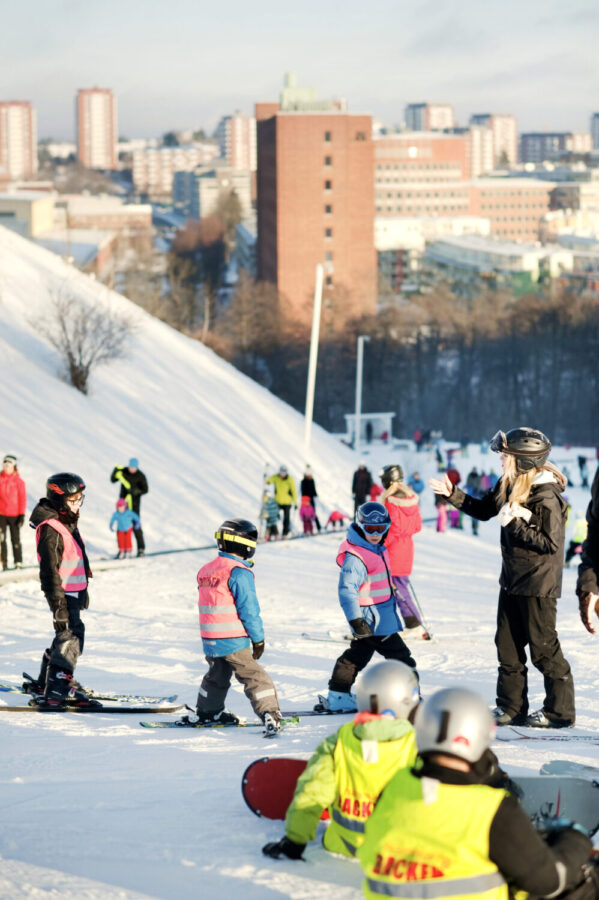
(505, 718)
(210, 719)
(539, 719)
(336, 702)
(272, 723)
(62, 692)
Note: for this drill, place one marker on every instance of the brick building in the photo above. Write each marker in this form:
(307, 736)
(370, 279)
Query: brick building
(18, 140)
(97, 132)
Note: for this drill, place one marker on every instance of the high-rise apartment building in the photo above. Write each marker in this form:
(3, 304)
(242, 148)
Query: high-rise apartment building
(18, 140)
(540, 146)
(315, 204)
(595, 130)
(429, 116)
(237, 140)
(97, 133)
(154, 168)
(505, 136)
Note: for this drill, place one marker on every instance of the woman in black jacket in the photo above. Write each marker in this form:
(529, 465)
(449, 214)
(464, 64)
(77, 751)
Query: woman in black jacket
(527, 501)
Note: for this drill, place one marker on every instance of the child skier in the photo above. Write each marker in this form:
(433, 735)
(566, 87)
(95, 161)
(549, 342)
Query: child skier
(125, 520)
(367, 599)
(578, 538)
(270, 515)
(229, 622)
(64, 575)
(307, 514)
(336, 518)
(350, 768)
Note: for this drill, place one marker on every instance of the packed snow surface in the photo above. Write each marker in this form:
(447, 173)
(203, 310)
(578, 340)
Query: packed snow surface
(97, 807)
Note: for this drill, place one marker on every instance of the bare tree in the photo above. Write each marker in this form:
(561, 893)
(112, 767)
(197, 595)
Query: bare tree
(85, 336)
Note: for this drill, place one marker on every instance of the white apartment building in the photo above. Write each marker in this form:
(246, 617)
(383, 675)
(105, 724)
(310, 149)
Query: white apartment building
(97, 130)
(480, 150)
(18, 140)
(429, 116)
(487, 254)
(154, 168)
(505, 136)
(237, 141)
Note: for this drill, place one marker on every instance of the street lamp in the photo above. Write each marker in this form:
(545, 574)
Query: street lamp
(359, 366)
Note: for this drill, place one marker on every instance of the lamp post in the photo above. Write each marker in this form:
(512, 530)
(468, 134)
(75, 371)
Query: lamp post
(359, 367)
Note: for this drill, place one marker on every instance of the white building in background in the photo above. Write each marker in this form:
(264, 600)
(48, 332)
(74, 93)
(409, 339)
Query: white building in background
(237, 141)
(480, 149)
(505, 136)
(154, 168)
(18, 140)
(429, 116)
(97, 129)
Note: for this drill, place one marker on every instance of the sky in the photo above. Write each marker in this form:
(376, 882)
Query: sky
(185, 63)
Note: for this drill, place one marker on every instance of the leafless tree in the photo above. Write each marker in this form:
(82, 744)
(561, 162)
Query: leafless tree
(84, 336)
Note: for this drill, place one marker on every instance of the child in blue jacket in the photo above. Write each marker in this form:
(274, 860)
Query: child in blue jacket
(125, 521)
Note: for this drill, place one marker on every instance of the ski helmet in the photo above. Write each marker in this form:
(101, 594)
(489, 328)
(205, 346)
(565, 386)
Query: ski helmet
(373, 518)
(530, 447)
(388, 687)
(389, 474)
(61, 486)
(455, 721)
(238, 536)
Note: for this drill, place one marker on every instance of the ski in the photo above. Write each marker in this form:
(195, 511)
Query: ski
(328, 637)
(10, 688)
(179, 723)
(508, 733)
(139, 710)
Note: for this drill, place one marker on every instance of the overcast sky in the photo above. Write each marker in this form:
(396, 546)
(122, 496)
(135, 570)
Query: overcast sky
(184, 63)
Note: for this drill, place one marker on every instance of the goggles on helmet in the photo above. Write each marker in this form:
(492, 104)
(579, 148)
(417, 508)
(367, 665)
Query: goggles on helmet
(498, 443)
(234, 538)
(375, 529)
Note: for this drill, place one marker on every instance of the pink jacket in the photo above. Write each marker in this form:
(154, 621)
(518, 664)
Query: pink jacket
(13, 496)
(406, 521)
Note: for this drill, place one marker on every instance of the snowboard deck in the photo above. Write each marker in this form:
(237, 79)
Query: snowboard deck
(569, 767)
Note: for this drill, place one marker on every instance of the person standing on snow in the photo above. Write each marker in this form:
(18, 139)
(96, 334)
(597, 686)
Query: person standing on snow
(64, 577)
(229, 622)
(285, 495)
(361, 485)
(367, 599)
(308, 489)
(448, 827)
(402, 505)
(134, 485)
(349, 769)
(532, 513)
(13, 504)
(587, 586)
(125, 521)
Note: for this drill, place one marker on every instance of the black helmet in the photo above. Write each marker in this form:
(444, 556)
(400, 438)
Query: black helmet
(389, 474)
(238, 536)
(61, 486)
(530, 447)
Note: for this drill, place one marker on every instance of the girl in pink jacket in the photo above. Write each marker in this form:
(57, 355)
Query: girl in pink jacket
(13, 503)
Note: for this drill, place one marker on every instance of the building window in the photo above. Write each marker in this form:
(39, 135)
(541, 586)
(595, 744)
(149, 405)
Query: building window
(328, 209)
(360, 135)
(328, 232)
(327, 136)
(328, 185)
(329, 280)
(328, 160)
(328, 256)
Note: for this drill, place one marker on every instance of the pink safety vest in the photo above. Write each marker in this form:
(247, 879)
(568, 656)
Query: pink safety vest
(71, 570)
(218, 613)
(376, 588)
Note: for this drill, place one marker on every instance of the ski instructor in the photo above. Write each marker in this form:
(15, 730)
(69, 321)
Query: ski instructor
(532, 513)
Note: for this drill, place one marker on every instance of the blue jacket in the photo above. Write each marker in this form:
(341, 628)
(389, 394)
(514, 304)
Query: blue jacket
(382, 618)
(124, 520)
(242, 586)
(417, 484)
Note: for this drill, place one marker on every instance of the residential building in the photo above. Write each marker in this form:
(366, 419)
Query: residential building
(154, 167)
(97, 130)
(536, 147)
(575, 195)
(237, 141)
(429, 116)
(102, 213)
(246, 239)
(18, 140)
(315, 204)
(29, 213)
(505, 136)
(480, 150)
(198, 193)
(595, 130)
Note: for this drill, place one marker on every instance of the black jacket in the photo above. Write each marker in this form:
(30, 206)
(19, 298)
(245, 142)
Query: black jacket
(50, 548)
(308, 488)
(588, 570)
(518, 851)
(137, 482)
(361, 483)
(532, 552)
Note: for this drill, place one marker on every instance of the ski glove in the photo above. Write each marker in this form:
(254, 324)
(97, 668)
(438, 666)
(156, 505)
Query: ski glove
(20, 521)
(257, 649)
(360, 628)
(588, 604)
(284, 847)
(520, 512)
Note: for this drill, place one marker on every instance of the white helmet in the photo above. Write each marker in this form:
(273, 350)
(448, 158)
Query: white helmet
(388, 687)
(457, 722)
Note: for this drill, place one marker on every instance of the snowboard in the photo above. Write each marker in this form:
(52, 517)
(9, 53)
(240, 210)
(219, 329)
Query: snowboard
(268, 785)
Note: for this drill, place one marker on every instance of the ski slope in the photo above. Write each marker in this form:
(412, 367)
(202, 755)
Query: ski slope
(97, 807)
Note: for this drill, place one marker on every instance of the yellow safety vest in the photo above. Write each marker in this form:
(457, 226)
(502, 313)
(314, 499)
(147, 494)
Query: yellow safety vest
(362, 769)
(430, 841)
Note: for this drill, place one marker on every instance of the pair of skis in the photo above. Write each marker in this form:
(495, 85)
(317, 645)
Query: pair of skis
(145, 704)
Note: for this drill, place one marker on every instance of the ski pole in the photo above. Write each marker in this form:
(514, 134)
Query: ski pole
(418, 607)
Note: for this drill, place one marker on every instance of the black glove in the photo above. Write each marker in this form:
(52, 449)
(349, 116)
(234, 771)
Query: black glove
(284, 847)
(257, 649)
(61, 618)
(84, 599)
(20, 521)
(360, 628)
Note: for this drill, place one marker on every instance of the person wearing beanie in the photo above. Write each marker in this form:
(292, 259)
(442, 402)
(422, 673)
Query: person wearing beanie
(13, 503)
(124, 520)
(134, 485)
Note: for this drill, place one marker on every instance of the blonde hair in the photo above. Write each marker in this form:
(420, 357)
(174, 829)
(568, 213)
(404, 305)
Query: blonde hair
(518, 484)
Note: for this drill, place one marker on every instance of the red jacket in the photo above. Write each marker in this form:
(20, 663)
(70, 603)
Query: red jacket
(13, 496)
(405, 522)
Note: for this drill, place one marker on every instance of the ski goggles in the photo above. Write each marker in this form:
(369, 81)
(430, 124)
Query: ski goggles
(498, 443)
(375, 529)
(235, 538)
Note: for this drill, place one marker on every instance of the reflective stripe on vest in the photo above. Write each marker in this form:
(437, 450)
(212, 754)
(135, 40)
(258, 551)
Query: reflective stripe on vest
(71, 570)
(431, 890)
(358, 784)
(376, 587)
(218, 614)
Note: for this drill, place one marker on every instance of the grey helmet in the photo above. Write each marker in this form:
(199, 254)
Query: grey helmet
(456, 722)
(388, 687)
(389, 474)
(530, 447)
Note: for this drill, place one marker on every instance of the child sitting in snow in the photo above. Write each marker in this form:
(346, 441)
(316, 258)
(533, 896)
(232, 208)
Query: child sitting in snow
(307, 514)
(125, 521)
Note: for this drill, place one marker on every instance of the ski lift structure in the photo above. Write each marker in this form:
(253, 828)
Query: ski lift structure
(372, 427)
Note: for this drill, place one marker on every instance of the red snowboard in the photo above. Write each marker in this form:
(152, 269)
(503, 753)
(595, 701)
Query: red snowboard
(268, 785)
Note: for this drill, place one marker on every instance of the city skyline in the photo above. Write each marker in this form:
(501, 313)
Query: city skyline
(185, 66)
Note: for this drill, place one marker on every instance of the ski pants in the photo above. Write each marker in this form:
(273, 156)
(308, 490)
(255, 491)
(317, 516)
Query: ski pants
(123, 539)
(10, 522)
(359, 654)
(286, 510)
(523, 621)
(67, 645)
(257, 684)
(405, 601)
(139, 539)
